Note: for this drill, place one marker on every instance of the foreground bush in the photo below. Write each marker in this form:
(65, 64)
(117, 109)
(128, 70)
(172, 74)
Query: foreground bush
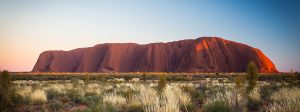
(38, 97)
(251, 76)
(285, 100)
(161, 83)
(217, 106)
(5, 91)
(254, 100)
(56, 106)
(75, 94)
(221, 102)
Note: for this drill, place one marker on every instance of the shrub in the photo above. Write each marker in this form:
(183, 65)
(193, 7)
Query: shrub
(57, 105)
(266, 91)
(54, 91)
(161, 84)
(147, 96)
(75, 94)
(251, 76)
(94, 103)
(286, 94)
(87, 78)
(115, 100)
(175, 97)
(195, 94)
(38, 97)
(284, 106)
(145, 77)
(217, 106)
(285, 100)
(227, 100)
(255, 94)
(252, 79)
(5, 91)
(92, 89)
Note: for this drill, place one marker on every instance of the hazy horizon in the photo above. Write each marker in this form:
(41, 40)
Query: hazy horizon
(27, 28)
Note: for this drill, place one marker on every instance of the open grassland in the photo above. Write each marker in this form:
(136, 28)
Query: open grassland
(154, 92)
(143, 75)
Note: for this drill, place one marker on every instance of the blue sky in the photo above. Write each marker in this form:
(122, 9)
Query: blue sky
(28, 27)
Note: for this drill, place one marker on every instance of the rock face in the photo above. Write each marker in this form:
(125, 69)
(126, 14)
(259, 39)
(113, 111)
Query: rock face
(205, 54)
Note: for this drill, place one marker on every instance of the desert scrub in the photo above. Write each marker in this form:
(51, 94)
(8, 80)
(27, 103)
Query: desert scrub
(161, 84)
(183, 98)
(117, 101)
(5, 91)
(267, 90)
(285, 100)
(55, 90)
(56, 106)
(147, 96)
(254, 100)
(92, 89)
(217, 106)
(168, 101)
(251, 76)
(38, 97)
(286, 94)
(218, 103)
(75, 94)
(24, 93)
(224, 102)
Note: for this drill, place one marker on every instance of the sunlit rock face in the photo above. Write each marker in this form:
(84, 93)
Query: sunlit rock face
(205, 54)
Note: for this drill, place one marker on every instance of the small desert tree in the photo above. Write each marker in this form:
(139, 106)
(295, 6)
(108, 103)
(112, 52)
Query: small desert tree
(251, 76)
(87, 78)
(5, 91)
(161, 84)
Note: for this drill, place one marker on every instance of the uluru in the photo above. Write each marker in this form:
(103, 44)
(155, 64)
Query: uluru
(204, 54)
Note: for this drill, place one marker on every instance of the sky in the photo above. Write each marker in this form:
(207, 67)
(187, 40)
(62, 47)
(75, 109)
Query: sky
(29, 27)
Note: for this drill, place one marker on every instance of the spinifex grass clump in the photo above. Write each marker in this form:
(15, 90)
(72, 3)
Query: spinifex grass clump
(38, 97)
(5, 91)
(285, 100)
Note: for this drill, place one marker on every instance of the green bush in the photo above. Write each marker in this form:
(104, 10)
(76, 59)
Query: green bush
(251, 76)
(5, 91)
(87, 78)
(51, 93)
(217, 106)
(161, 84)
(56, 106)
(252, 80)
(267, 90)
(92, 100)
(197, 95)
(75, 95)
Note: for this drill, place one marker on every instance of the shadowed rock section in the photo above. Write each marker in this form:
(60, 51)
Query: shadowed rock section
(205, 54)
